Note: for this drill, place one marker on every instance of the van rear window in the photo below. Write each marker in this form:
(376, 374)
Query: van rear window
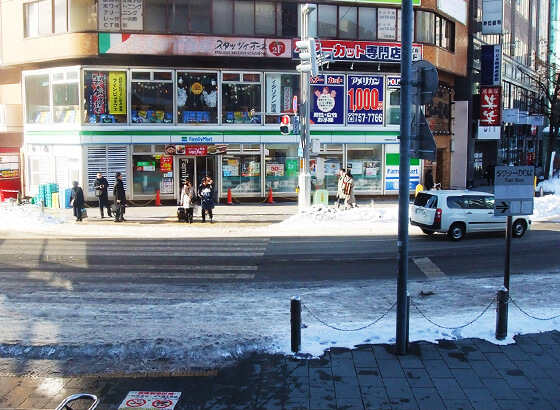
(426, 200)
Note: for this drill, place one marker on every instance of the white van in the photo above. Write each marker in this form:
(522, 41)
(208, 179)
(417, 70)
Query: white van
(459, 212)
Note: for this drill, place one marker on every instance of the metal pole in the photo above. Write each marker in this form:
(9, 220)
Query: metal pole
(502, 313)
(404, 176)
(508, 252)
(304, 179)
(295, 319)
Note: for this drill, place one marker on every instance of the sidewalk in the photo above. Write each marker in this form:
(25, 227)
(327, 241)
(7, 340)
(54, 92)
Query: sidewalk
(468, 373)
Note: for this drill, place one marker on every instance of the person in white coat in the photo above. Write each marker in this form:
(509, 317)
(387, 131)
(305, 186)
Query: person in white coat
(350, 199)
(188, 198)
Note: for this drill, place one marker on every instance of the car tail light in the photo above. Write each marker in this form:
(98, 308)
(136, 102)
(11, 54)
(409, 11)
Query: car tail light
(437, 219)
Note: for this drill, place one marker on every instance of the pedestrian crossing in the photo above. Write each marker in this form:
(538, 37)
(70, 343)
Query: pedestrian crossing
(141, 259)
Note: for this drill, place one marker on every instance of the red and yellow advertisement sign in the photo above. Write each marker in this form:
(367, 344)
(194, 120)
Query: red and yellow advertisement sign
(166, 164)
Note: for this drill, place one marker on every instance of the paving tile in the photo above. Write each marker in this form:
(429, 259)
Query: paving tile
(550, 389)
(448, 389)
(458, 404)
(544, 360)
(528, 344)
(437, 368)
(397, 388)
(321, 398)
(297, 403)
(485, 370)
(418, 378)
(390, 368)
(349, 403)
(456, 360)
(364, 358)
(500, 360)
(472, 352)
(467, 378)
(481, 399)
(411, 361)
(369, 378)
(384, 352)
(343, 367)
(427, 398)
(499, 389)
(347, 389)
(543, 338)
(429, 351)
(487, 347)
(516, 379)
(296, 367)
(531, 370)
(340, 353)
(511, 404)
(533, 398)
(515, 352)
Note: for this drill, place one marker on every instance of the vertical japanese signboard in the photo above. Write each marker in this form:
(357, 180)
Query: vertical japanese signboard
(365, 99)
(131, 15)
(328, 99)
(490, 106)
(109, 15)
(96, 95)
(117, 92)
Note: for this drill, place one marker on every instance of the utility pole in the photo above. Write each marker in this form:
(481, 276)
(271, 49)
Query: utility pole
(307, 68)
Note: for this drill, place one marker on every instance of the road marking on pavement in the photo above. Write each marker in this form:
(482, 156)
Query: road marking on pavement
(429, 268)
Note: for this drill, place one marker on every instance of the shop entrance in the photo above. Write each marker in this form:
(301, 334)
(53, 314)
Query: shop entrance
(195, 168)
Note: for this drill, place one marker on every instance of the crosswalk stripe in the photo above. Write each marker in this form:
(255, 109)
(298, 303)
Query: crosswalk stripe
(123, 252)
(429, 268)
(135, 268)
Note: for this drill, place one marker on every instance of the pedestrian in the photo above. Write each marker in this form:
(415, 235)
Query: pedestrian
(206, 194)
(188, 197)
(350, 199)
(101, 186)
(340, 188)
(77, 200)
(119, 198)
(429, 179)
(490, 172)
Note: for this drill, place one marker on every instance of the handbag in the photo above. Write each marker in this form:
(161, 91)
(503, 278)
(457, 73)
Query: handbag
(98, 192)
(84, 213)
(114, 208)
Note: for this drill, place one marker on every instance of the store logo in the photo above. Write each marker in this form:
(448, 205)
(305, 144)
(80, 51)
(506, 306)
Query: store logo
(277, 48)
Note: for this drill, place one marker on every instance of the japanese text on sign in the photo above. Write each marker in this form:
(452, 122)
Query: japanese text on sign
(365, 99)
(490, 106)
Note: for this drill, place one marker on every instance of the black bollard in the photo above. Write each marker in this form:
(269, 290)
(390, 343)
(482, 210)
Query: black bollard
(502, 313)
(295, 319)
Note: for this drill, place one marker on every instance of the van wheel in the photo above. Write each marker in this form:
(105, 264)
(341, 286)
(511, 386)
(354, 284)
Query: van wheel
(518, 228)
(427, 231)
(456, 231)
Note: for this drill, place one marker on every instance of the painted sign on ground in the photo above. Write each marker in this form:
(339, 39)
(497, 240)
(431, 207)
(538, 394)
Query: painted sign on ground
(154, 400)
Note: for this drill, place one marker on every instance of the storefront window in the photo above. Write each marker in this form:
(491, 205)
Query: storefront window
(393, 101)
(241, 173)
(197, 98)
(324, 171)
(152, 97)
(282, 165)
(241, 98)
(37, 106)
(105, 97)
(280, 91)
(152, 173)
(66, 106)
(364, 162)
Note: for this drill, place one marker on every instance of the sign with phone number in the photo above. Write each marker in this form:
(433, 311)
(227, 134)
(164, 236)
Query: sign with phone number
(365, 99)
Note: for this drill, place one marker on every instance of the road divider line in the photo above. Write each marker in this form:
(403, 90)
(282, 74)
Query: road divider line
(429, 268)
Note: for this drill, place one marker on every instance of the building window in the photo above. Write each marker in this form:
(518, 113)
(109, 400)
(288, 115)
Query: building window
(241, 173)
(197, 98)
(155, 11)
(265, 19)
(152, 97)
(152, 173)
(279, 94)
(82, 15)
(177, 15)
(282, 167)
(37, 100)
(364, 162)
(105, 96)
(425, 27)
(222, 12)
(199, 21)
(367, 23)
(38, 18)
(65, 96)
(387, 24)
(327, 20)
(244, 18)
(241, 98)
(348, 23)
(60, 16)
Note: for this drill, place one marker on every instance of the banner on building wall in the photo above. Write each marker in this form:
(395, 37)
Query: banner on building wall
(414, 2)
(364, 51)
(96, 94)
(211, 46)
(491, 65)
(327, 92)
(456, 9)
(492, 16)
(117, 92)
(365, 99)
(490, 106)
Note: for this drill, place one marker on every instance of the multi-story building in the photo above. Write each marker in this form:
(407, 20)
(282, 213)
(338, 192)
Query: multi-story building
(522, 40)
(164, 90)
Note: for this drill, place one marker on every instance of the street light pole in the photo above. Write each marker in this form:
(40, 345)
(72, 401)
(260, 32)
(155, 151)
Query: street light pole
(404, 177)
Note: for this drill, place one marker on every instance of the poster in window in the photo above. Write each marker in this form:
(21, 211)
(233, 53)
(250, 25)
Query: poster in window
(166, 163)
(291, 167)
(328, 99)
(96, 92)
(365, 99)
(387, 24)
(117, 93)
(274, 170)
(231, 168)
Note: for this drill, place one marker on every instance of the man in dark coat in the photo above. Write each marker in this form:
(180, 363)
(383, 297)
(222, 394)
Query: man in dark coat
(429, 180)
(77, 200)
(101, 185)
(206, 194)
(119, 195)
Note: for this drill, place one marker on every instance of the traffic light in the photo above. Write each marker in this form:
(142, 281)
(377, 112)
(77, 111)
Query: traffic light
(285, 125)
(308, 56)
(425, 78)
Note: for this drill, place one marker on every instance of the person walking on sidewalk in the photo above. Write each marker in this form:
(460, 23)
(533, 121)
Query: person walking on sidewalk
(101, 186)
(119, 196)
(77, 200)
(188, 197)
(350, 199)
(340, 189)
(429, 180)
(206, 194)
